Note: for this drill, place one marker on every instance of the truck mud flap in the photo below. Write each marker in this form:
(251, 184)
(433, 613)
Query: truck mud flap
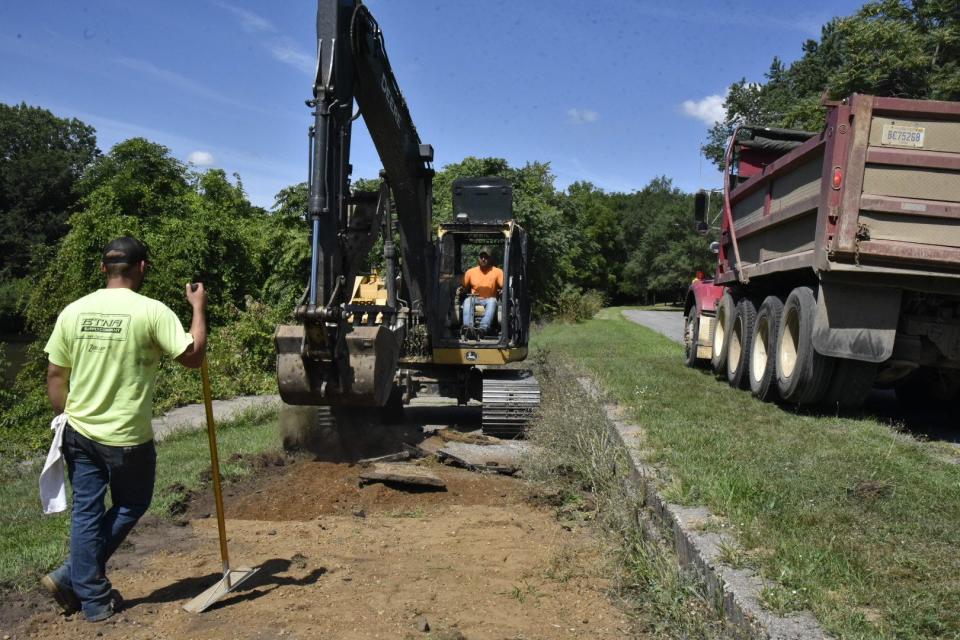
(856, 321)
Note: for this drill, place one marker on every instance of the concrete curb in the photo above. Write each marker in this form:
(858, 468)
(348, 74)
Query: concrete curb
(193, 416)
(737, 591)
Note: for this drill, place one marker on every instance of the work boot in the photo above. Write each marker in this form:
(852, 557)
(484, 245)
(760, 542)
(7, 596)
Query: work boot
(115, 605)
(102, 613)
(65, 598)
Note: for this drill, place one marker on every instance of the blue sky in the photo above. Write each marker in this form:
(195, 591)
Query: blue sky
(611, 92)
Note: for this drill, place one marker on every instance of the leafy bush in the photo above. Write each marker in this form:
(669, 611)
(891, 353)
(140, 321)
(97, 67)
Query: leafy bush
(240, 356)
(572, 305)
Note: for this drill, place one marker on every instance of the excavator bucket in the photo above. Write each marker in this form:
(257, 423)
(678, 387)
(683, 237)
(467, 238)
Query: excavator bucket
(361, 376)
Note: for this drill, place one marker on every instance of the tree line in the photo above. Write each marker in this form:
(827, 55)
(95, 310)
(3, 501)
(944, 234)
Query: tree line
(62, 199)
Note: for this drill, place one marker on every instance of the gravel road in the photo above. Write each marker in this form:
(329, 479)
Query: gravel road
(669, 323)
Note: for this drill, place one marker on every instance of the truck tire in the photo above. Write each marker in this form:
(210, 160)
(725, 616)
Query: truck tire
(803, 375)
(763, 350)
(722, 324)
(850, 385)
(691, 334)
(741, 338)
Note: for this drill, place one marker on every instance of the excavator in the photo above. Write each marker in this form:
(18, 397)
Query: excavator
(365, 341)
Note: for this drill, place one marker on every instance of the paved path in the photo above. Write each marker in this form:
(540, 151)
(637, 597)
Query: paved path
(669, 323)
(193, 416)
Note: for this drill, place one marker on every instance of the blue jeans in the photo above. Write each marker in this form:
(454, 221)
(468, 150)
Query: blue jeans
(95, 532)
(489, 310)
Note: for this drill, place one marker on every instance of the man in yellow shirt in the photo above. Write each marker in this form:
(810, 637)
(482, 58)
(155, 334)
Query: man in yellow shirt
(103, 358)
(483, 282)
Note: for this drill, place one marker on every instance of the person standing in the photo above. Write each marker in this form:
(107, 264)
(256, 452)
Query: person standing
(483, 284)
(103, 357)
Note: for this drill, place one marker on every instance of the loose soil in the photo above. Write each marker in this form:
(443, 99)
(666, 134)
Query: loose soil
(340, 560)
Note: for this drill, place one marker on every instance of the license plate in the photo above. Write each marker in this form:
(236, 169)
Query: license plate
(896, 135)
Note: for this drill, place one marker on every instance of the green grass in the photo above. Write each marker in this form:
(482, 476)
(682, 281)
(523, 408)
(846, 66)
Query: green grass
(843, 516)
(32, 544)
(580, 469)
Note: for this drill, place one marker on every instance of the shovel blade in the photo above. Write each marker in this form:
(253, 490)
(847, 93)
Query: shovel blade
(230, 581)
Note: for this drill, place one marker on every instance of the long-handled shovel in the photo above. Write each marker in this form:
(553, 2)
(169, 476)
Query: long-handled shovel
(231, 577)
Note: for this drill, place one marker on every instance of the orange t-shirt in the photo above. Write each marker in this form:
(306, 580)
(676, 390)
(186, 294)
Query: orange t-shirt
(483, 284)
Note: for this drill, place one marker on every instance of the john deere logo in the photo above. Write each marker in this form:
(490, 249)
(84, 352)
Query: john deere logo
(471, 356)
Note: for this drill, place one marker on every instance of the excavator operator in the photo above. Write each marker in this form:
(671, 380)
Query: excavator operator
(484, 283)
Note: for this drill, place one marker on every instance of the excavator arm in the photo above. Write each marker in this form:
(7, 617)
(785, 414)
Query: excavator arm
(328, 358)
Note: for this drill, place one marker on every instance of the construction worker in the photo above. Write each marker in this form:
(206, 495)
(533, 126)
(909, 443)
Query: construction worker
(483, 282)
(103, 358)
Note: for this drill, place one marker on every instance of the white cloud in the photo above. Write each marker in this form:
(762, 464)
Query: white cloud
(710, 109)
(288, 53)
(581, 116)
(201, 158)
(279, 46)
(249, 21)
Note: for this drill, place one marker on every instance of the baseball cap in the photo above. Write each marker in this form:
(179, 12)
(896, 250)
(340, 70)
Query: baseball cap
(485, 250)
(125, 250)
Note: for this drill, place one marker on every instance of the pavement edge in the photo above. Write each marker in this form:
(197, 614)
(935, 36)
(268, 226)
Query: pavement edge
(736, 591)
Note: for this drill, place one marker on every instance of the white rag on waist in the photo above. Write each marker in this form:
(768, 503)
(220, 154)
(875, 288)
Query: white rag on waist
(53, 488)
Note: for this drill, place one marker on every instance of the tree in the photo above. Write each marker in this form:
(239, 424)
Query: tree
(41, 158)
(597, 256)
(197, 226)
(665, 251)
(899, 48)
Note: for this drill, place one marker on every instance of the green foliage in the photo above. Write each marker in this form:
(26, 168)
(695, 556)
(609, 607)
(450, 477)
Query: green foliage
(198, 227)
(888, 48)
(240, 355)
(666, 251)
(41, 158)
(573, 305)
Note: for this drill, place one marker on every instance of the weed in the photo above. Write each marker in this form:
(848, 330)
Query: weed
(781, 600)
(732, 555)
(521, 592)
(583, 467)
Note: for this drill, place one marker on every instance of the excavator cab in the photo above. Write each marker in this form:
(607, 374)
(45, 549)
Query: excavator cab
(483, 217)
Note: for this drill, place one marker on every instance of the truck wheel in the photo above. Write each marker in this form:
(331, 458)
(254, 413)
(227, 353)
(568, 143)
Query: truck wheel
(851, 384)
(763, 351)
(722, 324)
(802, 374)
(691, 334)
(741, 337)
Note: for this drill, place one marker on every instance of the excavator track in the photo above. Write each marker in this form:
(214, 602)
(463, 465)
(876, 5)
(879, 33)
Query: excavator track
(509, 400)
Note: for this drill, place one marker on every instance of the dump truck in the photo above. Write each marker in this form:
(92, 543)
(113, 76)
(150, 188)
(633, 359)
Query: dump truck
(838, 258)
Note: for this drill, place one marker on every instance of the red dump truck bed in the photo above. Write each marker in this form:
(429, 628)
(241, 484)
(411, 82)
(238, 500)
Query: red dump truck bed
(880, 186)
(857, 230)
